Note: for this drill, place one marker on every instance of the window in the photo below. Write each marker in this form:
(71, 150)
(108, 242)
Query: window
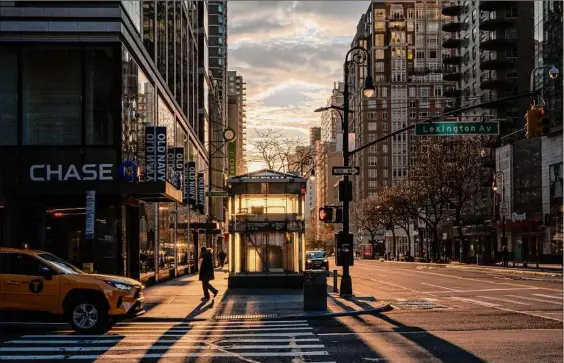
(384, 92)
(420, 54)
(21, 264)
(424, 103)
(412, 92)
(380, 26)
(219, 61)
(423, 92)
(371, 103)
(220, 19)
(379, 40)
(51, 95)
(372, 184)
(438, 91)
(410, 54)
(433, 54)
(372, 161)
(385, 173)
(384, 126)
(373, 173)
(384, 115)
(379, 53)
(385, 148)
(219, 40)
(220, 9)
(220, 30)
(379, 66)
(412, 115)
(372, 126)
(380, 14)
(372, 149)
(8, 96)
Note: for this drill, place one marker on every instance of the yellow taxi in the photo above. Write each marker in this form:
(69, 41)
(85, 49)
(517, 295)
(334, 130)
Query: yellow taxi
(37, 281)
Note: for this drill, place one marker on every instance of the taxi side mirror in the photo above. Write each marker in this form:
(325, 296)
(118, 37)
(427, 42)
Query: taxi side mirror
(47, 273)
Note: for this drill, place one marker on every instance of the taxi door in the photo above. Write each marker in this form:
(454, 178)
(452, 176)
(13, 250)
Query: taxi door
(25, 286)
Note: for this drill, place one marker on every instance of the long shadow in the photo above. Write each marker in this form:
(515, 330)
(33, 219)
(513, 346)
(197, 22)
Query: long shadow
(438, 347)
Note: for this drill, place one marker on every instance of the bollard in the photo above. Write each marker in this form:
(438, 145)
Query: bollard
(335, 274)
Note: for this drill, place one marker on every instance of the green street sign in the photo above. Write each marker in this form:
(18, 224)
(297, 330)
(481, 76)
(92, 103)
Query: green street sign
(218, 193)
(457, 128)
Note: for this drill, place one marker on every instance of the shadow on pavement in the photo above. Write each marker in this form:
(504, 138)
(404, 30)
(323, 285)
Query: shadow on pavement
(438, 347)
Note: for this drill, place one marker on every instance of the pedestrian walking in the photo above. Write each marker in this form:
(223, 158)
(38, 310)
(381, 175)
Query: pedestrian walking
(504, 256)
(222, 257)
(206, 272)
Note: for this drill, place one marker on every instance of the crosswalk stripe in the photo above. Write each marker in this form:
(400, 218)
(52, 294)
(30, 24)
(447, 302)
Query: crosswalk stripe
(128, 340)
(175, 329)
(109, 348)
(164, 356)
(177, 335)
(549, 296)
(260, 322)
(533, 299)
(506, 300)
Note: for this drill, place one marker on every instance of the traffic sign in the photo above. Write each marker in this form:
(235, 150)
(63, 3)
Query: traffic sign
(457, 128)
(346, 170)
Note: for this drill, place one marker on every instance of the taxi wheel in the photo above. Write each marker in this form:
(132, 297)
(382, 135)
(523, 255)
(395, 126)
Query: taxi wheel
(88, 316)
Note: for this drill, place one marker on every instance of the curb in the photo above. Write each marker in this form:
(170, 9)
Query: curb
(383, 308)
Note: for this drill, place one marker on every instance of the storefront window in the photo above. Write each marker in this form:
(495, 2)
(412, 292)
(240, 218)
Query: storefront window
(166, 235)
(147, 239)
(8, 96)
(101, 95)
(52, 95)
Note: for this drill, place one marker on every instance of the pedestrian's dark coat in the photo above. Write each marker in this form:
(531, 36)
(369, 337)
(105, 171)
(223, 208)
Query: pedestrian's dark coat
(206, 267)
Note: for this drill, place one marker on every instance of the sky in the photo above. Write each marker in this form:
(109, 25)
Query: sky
(289, 53)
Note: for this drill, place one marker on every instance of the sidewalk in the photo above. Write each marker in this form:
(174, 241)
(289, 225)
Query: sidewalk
(179, 299)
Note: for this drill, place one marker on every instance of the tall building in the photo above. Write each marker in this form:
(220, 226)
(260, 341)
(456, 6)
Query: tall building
(314, 135)
(331, 122)
(237, 116)
(548, 41)
(494, 49)
(86, 95)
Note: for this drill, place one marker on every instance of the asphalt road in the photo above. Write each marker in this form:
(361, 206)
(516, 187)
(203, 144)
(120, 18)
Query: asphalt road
(440, 315)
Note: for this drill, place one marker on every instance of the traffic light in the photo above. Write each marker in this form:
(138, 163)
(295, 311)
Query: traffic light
(534, 126)
(544, 122)
(326, 214)
(331, 214)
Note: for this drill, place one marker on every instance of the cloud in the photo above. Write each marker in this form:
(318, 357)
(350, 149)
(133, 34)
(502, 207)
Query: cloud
(289, 53)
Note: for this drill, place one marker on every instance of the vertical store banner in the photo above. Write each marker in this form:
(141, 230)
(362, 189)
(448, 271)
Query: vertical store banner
(201, 192)
(90, 223)
(155, 149)
(190, 184)
(232, 155)
(175, 161)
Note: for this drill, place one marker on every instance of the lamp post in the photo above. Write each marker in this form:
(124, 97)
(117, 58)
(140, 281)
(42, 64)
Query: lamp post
(499, 175)
(360, 56)
(552, 72)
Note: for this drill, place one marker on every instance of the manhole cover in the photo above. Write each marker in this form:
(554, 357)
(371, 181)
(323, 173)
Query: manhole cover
(416, 305)
(245, 317)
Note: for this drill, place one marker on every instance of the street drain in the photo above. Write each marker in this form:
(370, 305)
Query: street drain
(416, 305)
(245, 316)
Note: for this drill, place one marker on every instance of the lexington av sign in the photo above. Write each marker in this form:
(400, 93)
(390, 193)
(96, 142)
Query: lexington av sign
(59, 172)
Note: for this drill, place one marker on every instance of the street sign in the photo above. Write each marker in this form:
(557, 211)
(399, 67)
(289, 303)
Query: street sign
(218, 193)
(457, 128)
(346, 170)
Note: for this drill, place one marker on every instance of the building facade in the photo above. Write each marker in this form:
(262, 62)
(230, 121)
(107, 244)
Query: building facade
(238, 118)
(98, 119)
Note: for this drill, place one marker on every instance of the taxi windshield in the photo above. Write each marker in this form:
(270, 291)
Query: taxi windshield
(316, 254)
(63, 265)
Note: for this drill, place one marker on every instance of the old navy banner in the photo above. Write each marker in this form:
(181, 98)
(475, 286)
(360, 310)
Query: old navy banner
(190, 184)
(155, 148)
(175, 161)
(201, 192)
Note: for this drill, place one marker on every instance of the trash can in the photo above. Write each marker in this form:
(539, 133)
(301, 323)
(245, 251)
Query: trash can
(315, 290)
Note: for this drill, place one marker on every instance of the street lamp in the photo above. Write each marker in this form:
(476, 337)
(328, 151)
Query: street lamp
(360, 56)
(552, 73)
(499, 175)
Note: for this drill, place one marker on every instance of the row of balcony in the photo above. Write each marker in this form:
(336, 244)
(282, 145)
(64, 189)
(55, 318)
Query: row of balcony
(457, 10)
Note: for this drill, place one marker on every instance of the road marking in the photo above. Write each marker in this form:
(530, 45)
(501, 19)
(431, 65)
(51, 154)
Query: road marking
(506, 300)
(178, 330)
(483, 303)
(441, 287)
(127, 340)
(430, 299)
(266, 322)
(528, 313)
(549, 296)
(109, 348)
(484, 290)
(289, 334)
(162, 356)
(539, 300)
(470, 279)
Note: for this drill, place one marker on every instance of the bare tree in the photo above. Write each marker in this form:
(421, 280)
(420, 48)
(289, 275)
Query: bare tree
(404, 208)
(282, 153)
(368, 217)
